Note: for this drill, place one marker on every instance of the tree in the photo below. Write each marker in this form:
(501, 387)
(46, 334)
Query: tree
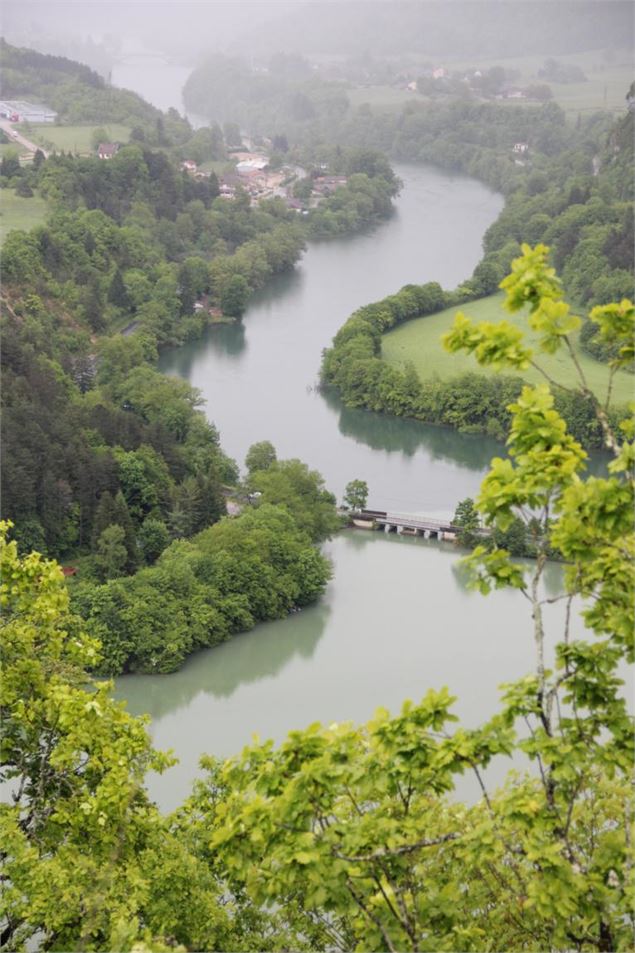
(98, 136)
(466, 518)
(153, 538)
(117, 293)
(231, 133)
(260, 456)
(234, 296)
(111, 552)
(88, 861)
(356, 495)
(10, 164)
(290, 484)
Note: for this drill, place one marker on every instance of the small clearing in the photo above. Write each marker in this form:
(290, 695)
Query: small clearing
(76, 139)
(18, 212)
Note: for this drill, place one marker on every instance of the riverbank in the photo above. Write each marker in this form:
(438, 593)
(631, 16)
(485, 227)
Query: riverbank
(359, 370)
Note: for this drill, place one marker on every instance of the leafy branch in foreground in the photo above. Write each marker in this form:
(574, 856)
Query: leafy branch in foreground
(351, 837)
(351, 830)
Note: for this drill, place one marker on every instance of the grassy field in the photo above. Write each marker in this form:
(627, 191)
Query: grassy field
(419, 341)
(220, 166)
(16, 212)
(6, 148)
(75, 138)
(608, 78)
(382, 96)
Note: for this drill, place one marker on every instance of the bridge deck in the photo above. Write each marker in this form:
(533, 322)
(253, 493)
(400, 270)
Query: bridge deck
(407, 520)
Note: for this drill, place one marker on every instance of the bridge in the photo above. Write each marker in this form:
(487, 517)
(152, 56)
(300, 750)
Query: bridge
(406, 524)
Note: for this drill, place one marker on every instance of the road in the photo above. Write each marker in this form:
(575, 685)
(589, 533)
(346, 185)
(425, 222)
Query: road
(14, 135)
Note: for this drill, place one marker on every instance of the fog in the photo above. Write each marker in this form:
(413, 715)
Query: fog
(99, 33)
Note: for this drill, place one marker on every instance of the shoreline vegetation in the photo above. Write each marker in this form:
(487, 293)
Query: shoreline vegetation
(472, 402)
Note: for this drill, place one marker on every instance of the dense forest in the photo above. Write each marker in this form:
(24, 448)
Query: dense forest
(93, 435)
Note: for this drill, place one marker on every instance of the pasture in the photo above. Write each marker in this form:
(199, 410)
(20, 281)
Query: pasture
(17, 212)
(419, 342)
(76, 139)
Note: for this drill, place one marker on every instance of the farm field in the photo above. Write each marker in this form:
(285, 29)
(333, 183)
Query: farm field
(608, 79)
(419, 342)
(75, 138)
(383, 96)
(17, 212)
(218, 166)
(8, 148)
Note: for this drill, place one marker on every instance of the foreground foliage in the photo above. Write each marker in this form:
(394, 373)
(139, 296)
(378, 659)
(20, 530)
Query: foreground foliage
(350, 837)
(349, 828)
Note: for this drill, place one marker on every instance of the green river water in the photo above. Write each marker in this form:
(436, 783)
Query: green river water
(396, 619)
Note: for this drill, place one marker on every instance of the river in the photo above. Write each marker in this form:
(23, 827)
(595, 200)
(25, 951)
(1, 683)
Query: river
(396, 619)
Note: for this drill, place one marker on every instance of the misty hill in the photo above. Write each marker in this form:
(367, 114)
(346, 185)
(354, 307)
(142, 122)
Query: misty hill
(462, 29)
(75, 92)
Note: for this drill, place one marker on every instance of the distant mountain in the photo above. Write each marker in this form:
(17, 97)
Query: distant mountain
(461, 28)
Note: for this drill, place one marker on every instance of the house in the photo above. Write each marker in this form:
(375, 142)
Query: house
(251, 165)
(512, 92)
(106, 150)
(326, 184)
(412, 86)
(520, 148)
(188, 165)
(438, 73)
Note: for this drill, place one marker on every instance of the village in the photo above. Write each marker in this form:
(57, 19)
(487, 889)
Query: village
(254, 174)
(248, 169)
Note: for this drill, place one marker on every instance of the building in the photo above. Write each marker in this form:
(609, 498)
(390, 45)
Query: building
(188, 165)
(107, 150)
(327, 184)
(520, 148)
(511, 92)
(251, 165)
(20, 111)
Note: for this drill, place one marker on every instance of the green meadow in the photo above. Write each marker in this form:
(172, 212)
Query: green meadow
(609, 74)
(382, 96)
(77, 138)
(17, 212)
(419, 342)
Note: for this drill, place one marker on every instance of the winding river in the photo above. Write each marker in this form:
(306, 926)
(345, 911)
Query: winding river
(396, 619)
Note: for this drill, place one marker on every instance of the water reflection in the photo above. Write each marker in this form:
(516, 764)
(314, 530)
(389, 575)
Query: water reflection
(220, 671)
(396, 434)
(552, 575)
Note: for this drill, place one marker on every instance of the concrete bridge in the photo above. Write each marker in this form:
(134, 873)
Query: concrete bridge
(406, 524)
